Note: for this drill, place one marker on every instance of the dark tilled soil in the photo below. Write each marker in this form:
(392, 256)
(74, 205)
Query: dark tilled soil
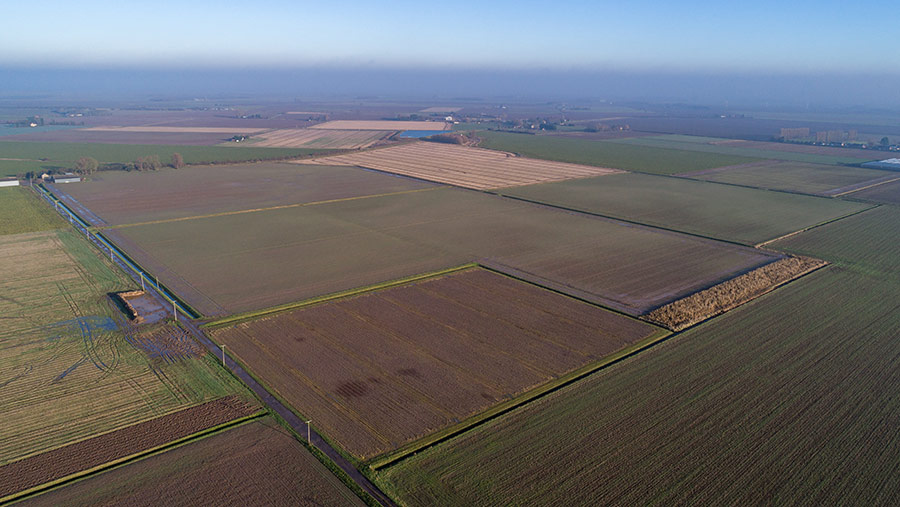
(58, 463)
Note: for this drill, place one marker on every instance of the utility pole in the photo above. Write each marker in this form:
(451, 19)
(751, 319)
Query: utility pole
(175, 310)
(308, 440)
(142, 281)
(223, 355)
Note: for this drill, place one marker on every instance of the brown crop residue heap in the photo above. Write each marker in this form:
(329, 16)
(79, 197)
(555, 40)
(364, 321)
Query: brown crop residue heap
(732, 293)
(132, 312)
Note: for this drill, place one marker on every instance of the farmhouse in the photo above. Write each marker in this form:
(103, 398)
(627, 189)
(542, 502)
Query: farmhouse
(9, 182)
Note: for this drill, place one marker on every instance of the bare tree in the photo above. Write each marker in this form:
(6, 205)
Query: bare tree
(177, 161)
(86, 165)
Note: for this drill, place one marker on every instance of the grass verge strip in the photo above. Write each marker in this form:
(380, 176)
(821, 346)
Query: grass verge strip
(36, 490)
(100, 239)
(788, 235)
(504, 407)
(242, 317)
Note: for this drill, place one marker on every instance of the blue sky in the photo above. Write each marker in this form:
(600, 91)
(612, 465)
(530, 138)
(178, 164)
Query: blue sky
(787, 36)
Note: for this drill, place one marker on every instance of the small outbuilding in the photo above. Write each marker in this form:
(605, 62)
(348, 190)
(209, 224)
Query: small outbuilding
(9, 182)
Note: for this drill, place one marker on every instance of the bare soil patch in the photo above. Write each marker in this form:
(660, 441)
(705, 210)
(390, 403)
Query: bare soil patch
(732, 293)
(320, 138)
(71, 459)
(380, 370)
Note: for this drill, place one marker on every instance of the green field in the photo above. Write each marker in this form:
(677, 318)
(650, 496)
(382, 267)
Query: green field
(791, 176)
(288, 254)
(703, 145)
(40, 156)
(784, 400)
(744, 215)
(22, 211)
(867, 242)
(888, 193)
(608, 154)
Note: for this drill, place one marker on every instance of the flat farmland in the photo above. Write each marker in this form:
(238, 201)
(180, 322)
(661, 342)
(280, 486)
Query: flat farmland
(382, 369)
(845, 155)
(149, 129)
(608, 153)
(792, 176)
(256, 463)
(888, 193)
(21, 211)
(743, 215)
(122, 137)
(739, 148)
(97, 451)
(319, 138)
(68, 368)
(121, 198)
(282, 255)
(383, 125)
(52, 154)
(749, 408)
(463, 166)
(867, 242)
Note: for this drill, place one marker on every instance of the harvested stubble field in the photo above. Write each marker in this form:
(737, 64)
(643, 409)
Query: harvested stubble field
(290, 254)
(383, 125)
(714, 145)
(379, 370)
(791, 176)
(116, 445)
(123, 198)
(782, 400)
(608, 153)
(729, 294)
(319, 138)
(867, 242)
(256, 463)
(67, 370)
(21, 211)
(463, 166)
(888, 193)
(743, 215)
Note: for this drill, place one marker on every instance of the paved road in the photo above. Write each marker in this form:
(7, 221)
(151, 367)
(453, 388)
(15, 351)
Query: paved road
(295, 422)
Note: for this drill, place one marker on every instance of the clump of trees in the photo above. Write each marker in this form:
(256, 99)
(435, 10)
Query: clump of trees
(177, 161)
(86, 166)
(148, 163)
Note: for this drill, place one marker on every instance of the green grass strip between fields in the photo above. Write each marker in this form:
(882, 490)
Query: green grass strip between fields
(497, 410)
(255, 314)
(125, 460)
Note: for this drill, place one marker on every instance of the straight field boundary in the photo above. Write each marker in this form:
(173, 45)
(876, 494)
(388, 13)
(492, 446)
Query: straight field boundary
(497, 410)
(124, 260)
(835, 219)
(43, 488)
(252, 315)
(258, 210)
(873, 183)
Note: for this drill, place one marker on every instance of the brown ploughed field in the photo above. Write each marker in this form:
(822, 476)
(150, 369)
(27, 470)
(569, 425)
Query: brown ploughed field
(64, 461)
(257, 463)
(379, 370)
(463, 166)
